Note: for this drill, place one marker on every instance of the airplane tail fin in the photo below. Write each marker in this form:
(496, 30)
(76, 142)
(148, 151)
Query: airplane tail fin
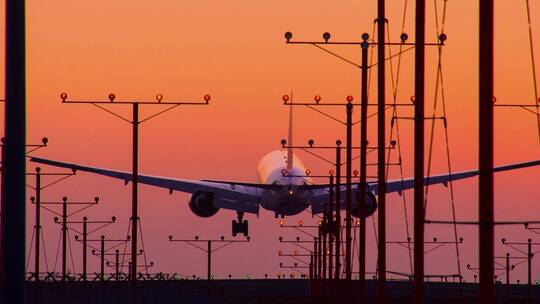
(290, 140)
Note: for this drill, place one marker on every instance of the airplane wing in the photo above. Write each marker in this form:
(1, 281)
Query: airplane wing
(398, 185)
(244, 197)
(320, 191)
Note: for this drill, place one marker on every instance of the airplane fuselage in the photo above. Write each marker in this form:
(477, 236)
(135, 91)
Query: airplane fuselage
(288, 199)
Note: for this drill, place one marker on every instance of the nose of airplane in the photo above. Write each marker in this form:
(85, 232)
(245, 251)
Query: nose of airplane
(290, 190)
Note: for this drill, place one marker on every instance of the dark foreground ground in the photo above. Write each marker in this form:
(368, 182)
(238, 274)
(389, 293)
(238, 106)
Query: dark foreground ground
(295, 291)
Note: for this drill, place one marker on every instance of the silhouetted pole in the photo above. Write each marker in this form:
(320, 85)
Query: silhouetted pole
(323, 235)
(209, 274)
(419, 105)
(135, 153)
(64, 238)
(38, 222)
(529, 270)
(348, 198)
(507, 269)
(311, 270)
(117, 265)
(64, 229)
(134, 196)
(337, 227)
(337, 230)
(2, 222)
(315, 258)
(85, 248)
(320, 256)
(485, 153)
(14, 161)
(85, 240)
(363, 171)
(208, 251)
(102, 259)
(330, 217)
(381, 142)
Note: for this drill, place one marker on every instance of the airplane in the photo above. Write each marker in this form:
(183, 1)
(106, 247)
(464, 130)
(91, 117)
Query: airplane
(283, 188)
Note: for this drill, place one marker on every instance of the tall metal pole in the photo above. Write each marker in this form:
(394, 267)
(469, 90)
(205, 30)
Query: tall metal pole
(311, 270)
(14, 161)
(85, 248)
(381, 143)
(64, 238)
(324, 250)
(134, 195)
(2, 222)
(102, 264)
(337, 230)
(315, 258)
(319, 257)
(38, 223)
(363, 172)
(507, 269)
(134, 220)
(117, 265)
(330, 217)
(338, 208)
(485, 153)
(209, 275)
(419, 105)
(529, 270)
(348, 202)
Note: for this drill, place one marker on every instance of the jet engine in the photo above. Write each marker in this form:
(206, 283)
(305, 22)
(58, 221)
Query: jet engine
(202, 204)
(371, 206)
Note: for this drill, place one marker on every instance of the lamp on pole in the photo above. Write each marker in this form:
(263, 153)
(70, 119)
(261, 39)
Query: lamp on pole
(135, 122)
(85, 233)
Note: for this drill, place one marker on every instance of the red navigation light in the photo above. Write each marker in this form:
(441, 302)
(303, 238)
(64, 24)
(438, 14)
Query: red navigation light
(350, 98)
(317, 98)
(413, 99)
(63, 96)
(284, 172)
(493, 99)
(207, 98)
(300, 223)
(285, 98)
(331, 172)
(281, 222)
(308, 172)
(112, 97)
(159, 97)
(355, 173)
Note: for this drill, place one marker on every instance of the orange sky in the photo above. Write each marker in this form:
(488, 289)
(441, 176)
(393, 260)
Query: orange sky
(235, 51)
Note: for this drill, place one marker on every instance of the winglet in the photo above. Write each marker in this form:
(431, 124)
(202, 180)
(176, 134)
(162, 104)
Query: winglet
(290, 141)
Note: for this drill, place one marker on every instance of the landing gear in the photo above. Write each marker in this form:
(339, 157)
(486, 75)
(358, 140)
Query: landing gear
(240, 226)
(276, 215)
